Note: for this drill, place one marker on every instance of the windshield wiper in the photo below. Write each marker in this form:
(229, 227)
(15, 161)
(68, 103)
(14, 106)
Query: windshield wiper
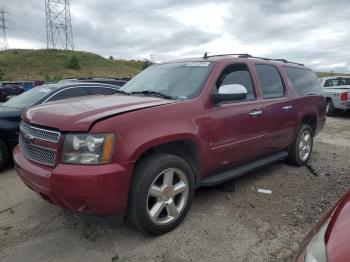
(151, 92)
(119, 91)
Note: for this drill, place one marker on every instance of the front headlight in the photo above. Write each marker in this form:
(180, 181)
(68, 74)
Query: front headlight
(88, 149)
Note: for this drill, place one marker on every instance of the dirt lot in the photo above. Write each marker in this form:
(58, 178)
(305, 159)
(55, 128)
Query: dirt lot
(232, 222)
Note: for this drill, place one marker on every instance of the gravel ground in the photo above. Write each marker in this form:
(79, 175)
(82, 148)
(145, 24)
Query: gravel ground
(232, 222)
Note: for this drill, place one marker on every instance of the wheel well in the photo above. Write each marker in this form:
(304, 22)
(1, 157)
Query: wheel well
(186, 149)
(311, 120)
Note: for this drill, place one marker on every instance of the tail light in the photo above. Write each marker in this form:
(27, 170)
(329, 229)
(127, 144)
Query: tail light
(344, 96)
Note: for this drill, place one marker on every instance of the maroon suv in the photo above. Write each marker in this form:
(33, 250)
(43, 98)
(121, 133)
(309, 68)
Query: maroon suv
(174, 127)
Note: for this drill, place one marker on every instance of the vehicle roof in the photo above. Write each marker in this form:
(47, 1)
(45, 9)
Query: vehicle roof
(62, 85)
(237, 59)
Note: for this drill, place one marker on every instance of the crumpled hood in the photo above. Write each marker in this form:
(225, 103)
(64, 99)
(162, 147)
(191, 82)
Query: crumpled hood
(79, 114)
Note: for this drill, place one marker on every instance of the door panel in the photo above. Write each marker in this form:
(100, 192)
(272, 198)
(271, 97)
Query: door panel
(234, 136)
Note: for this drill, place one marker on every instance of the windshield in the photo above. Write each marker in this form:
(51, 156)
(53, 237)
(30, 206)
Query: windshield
(176, 80)
(30, 97)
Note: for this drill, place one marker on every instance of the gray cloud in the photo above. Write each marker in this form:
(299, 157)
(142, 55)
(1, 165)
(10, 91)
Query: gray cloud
(314, 32)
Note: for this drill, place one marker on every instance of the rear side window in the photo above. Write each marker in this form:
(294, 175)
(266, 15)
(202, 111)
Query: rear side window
(304, 81)
(101, 91)
(70, 93)
(270, 80)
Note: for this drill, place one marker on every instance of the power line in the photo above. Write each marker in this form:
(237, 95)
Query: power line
(59, 33)
(4, 28)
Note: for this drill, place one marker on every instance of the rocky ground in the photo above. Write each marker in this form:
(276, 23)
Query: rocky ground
(232, 222)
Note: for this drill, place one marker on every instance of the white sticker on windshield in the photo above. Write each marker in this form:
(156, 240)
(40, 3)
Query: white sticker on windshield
(44, 90)
(198, 64)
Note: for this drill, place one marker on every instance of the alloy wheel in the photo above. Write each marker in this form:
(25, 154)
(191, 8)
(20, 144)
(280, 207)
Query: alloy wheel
(167, 196)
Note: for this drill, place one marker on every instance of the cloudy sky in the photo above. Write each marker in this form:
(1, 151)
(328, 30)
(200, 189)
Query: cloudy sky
(314, 32)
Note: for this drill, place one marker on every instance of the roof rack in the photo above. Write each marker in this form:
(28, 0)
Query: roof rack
(250, 56)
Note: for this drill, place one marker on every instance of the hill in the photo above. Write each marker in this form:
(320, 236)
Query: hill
(23, 64)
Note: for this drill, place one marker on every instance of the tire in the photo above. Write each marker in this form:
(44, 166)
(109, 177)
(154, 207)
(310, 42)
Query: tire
(330, 110)
(300, 151)
(4, 155)
(155, 172)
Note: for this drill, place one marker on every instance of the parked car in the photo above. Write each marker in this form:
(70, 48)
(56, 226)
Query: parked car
(174, 127)
(112, 81)
(337, 92)
(10, 89)
(10, 112)
(27, 85)
(328, 239)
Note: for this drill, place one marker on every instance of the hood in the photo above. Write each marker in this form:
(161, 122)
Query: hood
(80, 114)
(10, 113)
(338, 232)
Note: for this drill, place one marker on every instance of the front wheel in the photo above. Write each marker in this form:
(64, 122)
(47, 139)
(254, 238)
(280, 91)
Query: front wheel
(300, 151)
(161, 193)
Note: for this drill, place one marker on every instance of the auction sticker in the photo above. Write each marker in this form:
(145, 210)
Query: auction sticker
(204, 64)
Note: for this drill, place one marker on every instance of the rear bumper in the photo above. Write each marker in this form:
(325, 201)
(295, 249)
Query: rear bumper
(343, 105)
(99, 190)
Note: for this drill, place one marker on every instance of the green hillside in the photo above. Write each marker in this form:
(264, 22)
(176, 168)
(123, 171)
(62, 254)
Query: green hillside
(22, 64)
(326, 74)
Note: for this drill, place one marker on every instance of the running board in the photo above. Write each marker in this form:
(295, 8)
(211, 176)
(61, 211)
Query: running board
(225, 176)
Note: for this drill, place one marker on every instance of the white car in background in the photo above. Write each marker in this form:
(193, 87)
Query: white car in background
(337, 92)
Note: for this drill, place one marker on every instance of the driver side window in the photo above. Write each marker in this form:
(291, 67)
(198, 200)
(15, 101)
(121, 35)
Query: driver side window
(237, 74)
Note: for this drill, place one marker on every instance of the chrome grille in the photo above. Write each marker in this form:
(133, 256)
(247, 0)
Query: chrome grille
(28, 144)
(37, 154)
(43, 134)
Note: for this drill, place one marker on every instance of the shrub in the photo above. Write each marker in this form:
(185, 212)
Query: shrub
(73, 63)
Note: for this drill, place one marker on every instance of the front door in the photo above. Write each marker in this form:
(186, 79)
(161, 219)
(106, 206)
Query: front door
(234, 129)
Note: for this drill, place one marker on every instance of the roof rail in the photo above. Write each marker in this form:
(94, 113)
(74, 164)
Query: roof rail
(250, 56)
(239, 55)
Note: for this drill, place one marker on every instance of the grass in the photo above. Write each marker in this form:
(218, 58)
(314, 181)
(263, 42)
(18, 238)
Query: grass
(26, 64)
(23, 64)
(326, 74)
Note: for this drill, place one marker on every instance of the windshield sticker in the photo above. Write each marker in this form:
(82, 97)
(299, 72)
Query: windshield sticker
(44, 90)
(204, 64)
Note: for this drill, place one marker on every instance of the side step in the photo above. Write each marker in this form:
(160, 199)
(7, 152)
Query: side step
(227, 175)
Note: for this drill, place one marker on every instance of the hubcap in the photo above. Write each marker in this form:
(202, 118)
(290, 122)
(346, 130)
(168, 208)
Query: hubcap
(167, 196)
(305, 145)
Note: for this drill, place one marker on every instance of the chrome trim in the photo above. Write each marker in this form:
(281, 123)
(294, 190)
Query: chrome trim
(21, 143)
(24, 125)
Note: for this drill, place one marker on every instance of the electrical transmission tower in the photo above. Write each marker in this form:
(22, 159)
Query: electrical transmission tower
(3, 27)
(59, 31)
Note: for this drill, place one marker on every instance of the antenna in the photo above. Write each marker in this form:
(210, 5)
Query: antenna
(3, 27)
(59, 33)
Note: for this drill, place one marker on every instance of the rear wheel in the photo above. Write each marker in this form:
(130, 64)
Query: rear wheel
(301, 149)
(161, 193)
(4, 155)
(330, 110)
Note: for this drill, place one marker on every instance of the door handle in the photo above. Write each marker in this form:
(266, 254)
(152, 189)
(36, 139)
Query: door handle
(286, 108)
(256, 113)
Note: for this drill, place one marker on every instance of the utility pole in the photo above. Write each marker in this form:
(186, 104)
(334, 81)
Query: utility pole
(152, 57)
(3, 27)
(59, 33)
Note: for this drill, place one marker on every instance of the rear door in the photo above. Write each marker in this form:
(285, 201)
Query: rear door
(235, 129)
(279, 111)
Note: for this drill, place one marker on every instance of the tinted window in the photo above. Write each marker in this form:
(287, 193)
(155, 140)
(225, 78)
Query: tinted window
(270, 80)
(70, 93)
(101, 91)
(337, 82)
(304, 81)
(237, 74)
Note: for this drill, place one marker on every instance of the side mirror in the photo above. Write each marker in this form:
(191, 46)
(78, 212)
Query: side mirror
(230, 93)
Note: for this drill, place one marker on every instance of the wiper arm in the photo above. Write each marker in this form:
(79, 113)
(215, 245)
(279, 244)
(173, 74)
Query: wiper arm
(151, 92)
(119, 91)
